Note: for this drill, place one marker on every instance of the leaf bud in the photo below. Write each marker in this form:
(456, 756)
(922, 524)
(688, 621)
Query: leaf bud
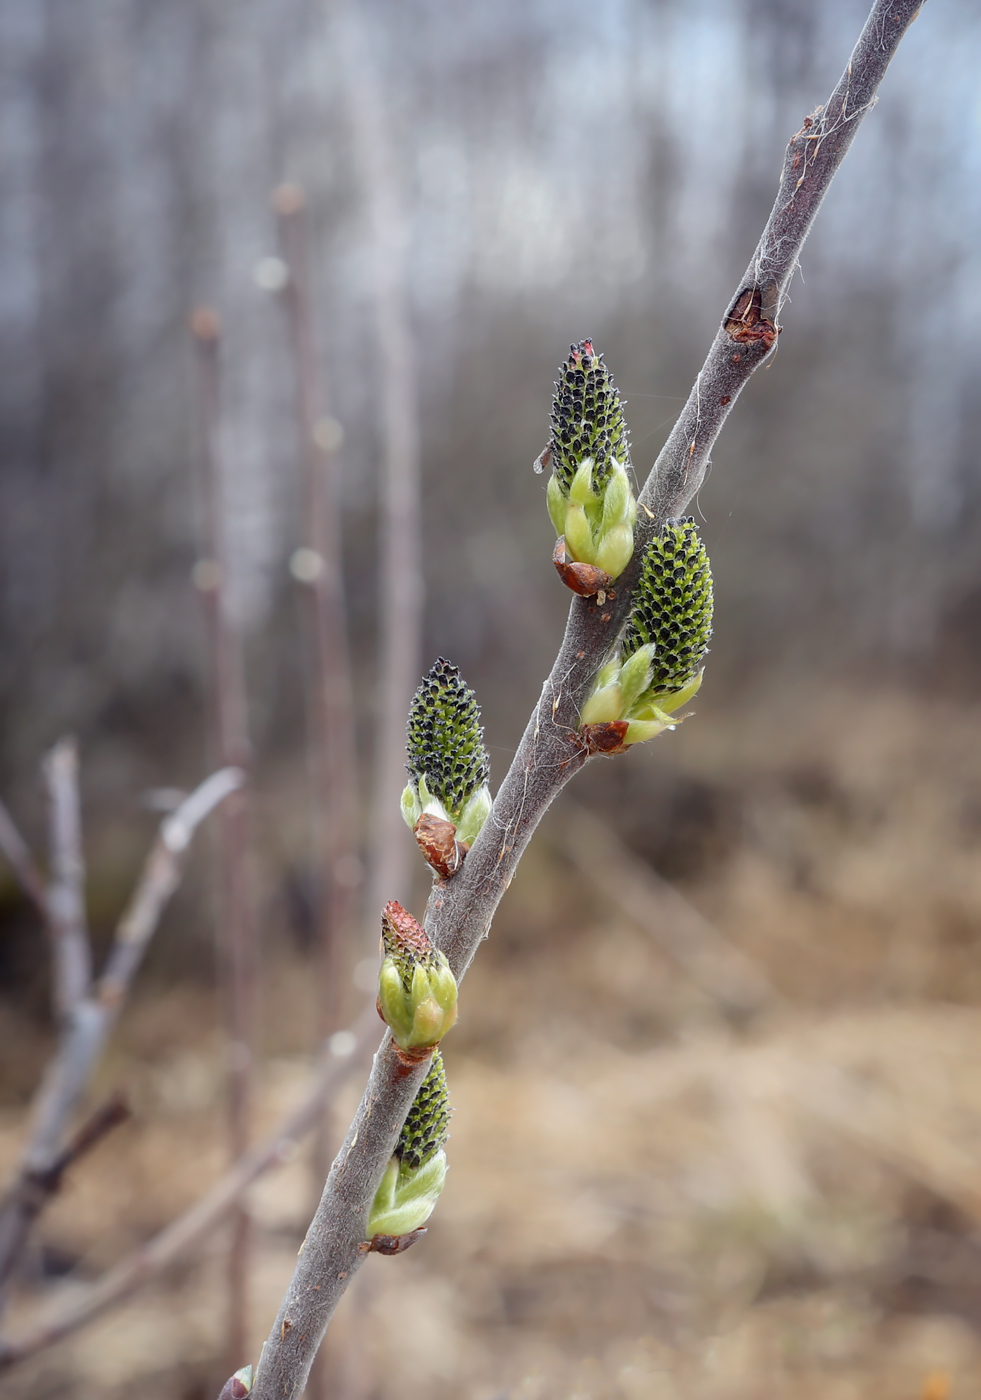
(417, 993)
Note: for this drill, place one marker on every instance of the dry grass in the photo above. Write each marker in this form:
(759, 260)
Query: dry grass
(645, 1202)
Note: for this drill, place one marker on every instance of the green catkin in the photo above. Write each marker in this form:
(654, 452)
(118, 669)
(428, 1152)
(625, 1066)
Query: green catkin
(587, 419)
(425, 1130)
(444, 739)
(672, 607)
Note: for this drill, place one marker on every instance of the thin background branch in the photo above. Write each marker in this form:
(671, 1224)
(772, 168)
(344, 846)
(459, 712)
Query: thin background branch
(400, 546)
(188, 1230)
(322, 570)
(333, 740)
(85, 1036)
(460, 911)
(22, 864)
(237, 959)
(66, 890)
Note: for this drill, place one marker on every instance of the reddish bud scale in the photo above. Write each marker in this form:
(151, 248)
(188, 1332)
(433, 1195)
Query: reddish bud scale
(405, 940)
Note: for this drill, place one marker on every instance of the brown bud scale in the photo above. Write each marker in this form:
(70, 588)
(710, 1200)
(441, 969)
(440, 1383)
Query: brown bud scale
(584, 579)
(605, 738)
(436, 839)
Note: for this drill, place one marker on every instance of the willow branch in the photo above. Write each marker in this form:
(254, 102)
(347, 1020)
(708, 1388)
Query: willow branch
(459, 913)
(84, 1035)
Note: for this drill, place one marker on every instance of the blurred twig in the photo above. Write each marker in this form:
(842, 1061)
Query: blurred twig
(84, 1036)
(714, 964)
(333, 738)
(65, 903)
(323, 571)
(237, 941)
(400, 552)
(460, 910)
(31, 1192)
(21, 862)
(190, 1228)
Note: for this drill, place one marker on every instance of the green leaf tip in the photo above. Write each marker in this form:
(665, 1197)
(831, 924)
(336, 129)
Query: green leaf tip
(448, 765)
(590, 498)
(417, 993)
(659, 664)
(416, 1172)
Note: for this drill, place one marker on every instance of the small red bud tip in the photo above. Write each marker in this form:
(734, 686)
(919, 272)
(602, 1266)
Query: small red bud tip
(605, 738)
(404, 931)
(584, 579)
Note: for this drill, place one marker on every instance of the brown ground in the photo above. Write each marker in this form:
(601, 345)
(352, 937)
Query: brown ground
(649, 1199)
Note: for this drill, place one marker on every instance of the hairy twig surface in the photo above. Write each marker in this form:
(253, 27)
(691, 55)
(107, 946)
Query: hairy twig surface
(460, 911)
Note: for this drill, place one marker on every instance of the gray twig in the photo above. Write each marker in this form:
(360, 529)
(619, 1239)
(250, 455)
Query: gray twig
(66, 891)
(460, 912)
(21, 862)
(85, 1034)
(31, 1192)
